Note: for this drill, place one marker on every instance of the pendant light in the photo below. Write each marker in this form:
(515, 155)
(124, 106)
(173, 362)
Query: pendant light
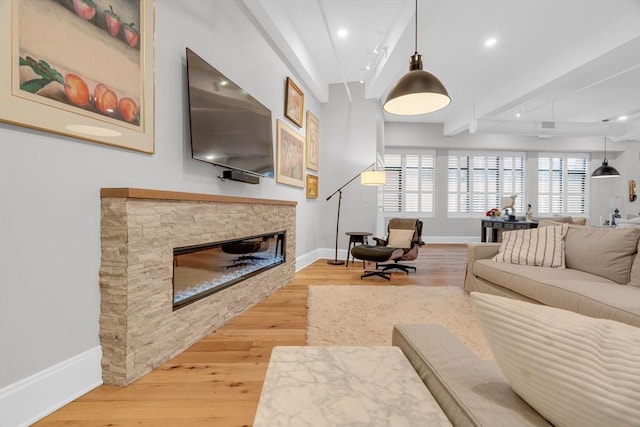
(418, 92)
(605, 171)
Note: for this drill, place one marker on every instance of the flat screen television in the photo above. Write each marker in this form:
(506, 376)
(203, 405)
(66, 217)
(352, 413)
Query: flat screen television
(229, 127)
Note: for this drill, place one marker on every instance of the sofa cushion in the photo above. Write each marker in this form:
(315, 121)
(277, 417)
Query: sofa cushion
(574, 370)
(536, 246)
(574, 290)
(470, 391)
(607, 252)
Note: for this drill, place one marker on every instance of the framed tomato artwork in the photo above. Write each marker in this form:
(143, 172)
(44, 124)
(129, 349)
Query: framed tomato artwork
(80, 68)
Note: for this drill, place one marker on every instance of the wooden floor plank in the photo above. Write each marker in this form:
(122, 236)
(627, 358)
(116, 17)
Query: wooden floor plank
(217, 381)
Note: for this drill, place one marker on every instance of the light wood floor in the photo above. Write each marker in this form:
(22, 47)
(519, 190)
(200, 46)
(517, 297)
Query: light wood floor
(217, 382)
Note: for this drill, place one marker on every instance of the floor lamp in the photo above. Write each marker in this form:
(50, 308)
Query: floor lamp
(367, 177)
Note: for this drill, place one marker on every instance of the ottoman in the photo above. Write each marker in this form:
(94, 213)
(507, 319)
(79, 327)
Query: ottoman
(377, 254)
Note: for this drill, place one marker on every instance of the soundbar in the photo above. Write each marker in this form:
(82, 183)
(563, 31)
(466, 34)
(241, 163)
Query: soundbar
(236, 175)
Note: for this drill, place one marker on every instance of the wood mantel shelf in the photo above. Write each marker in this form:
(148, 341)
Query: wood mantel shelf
(142, 193)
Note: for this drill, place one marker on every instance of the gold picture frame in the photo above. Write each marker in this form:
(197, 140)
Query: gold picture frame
(313, 142)
(289, 155)
(294, 102)
(87, 72)
(312, 186)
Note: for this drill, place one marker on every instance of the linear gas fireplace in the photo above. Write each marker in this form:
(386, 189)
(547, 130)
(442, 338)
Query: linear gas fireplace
(202, 270)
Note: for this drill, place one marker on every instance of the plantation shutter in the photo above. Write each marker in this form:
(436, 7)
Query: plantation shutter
(563, 183)
(410, 186)
(477, 182)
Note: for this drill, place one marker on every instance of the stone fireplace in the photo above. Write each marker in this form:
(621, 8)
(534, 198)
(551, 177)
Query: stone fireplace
(139, 328)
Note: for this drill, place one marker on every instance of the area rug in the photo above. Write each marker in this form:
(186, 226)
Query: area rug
(365, 315)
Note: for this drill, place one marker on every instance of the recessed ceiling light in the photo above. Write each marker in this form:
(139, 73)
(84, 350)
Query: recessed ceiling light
(491, 42)
(622, 118)
(342, 33)
(518, 114)
(209, 157)
(361, 82)
(367, 68)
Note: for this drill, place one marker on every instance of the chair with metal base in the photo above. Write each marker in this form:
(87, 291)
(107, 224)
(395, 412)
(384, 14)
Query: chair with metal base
(405, 233)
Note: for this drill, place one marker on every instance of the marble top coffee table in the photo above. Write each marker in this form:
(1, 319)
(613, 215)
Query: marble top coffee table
(344, 386)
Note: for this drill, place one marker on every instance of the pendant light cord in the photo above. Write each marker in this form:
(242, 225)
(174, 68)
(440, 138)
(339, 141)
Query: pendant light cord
(416, 28)
(605, 142)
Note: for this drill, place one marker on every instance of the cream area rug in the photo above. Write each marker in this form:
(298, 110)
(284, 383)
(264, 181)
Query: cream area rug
(365, 315)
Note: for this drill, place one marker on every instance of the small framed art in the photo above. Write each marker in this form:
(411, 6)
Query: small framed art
(289, 155)
(312, 186)
(294, 102)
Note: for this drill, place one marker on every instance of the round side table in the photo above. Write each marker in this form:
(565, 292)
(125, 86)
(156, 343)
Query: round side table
(356, 237)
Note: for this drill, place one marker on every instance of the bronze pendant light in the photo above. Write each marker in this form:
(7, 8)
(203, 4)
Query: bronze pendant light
(418, 91)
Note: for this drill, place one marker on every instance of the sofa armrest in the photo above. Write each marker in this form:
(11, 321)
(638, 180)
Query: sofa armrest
(477, 251)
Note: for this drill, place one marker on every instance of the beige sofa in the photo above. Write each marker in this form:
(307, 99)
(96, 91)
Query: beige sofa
(601, 278)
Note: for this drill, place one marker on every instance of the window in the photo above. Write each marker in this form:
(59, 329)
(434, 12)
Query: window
(477, 182)
(563, 183)
(410, 184)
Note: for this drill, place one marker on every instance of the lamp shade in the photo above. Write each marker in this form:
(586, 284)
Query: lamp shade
(605, 171)
(373, 178)
(417, 92)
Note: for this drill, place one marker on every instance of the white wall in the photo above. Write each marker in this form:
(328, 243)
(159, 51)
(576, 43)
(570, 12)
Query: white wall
(349, 132)
(50, 202)
(623, 155)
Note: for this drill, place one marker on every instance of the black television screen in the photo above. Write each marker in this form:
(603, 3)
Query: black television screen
(229, 128)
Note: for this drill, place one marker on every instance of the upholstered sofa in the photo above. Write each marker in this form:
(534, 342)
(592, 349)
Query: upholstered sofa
(598, 276)
(552, 367)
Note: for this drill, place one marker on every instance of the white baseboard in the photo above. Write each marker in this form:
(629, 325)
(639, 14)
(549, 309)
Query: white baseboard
(33, 398)
(305, 259)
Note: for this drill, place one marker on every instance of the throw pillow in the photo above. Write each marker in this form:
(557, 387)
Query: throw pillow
(562, 218)
(543, 246)
(573, 369)
(399, 238)
(545, 222)
(579, 220)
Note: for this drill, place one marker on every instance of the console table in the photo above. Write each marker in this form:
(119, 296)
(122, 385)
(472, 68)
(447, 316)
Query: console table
(497, 226)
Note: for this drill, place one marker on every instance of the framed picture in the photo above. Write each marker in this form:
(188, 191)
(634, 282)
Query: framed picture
(313, 141)
(294, 103)
(81, 69)
(289, 155)
(312, 186)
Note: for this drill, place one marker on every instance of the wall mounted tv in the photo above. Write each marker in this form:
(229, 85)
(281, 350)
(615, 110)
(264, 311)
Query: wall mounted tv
(229, 128)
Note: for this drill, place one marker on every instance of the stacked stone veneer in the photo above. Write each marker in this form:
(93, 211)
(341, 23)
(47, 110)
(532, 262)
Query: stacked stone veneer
(139, 329)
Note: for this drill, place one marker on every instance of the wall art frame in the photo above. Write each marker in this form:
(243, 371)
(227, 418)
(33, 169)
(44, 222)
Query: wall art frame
(294, 102)
(99, 89)
(311, 186)
(313, 142)
(289, 155)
